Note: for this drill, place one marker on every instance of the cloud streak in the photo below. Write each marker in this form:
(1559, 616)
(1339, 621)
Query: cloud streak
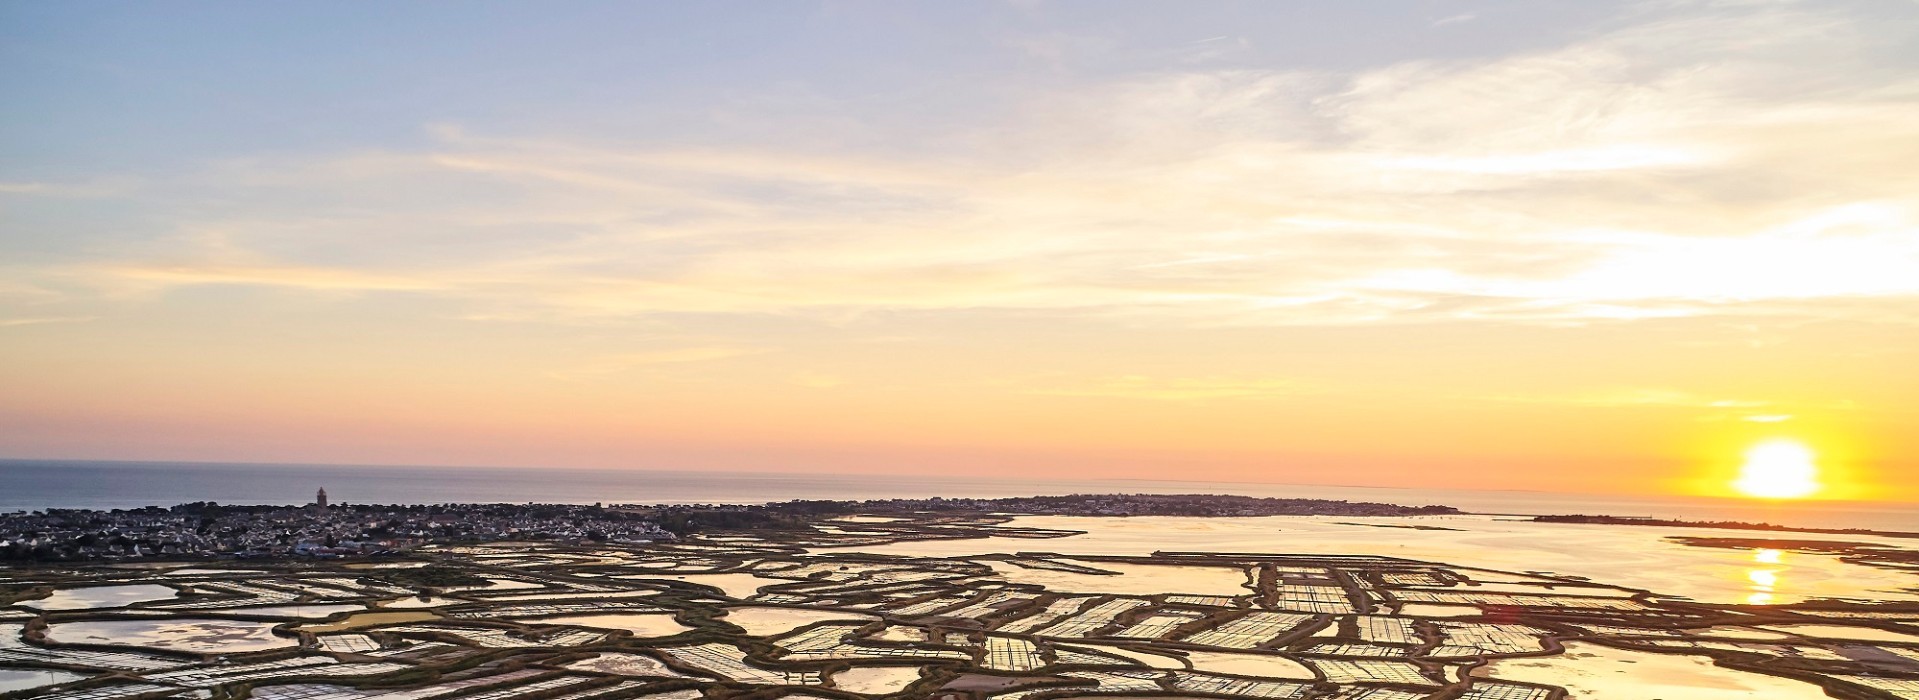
(1179, 388)
(1630, 176)
(15, 322)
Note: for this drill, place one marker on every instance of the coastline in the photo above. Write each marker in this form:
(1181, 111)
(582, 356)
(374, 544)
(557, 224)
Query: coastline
(37, 485)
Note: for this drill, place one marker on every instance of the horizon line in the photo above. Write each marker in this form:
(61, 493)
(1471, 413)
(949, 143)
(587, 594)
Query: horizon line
(959, 479)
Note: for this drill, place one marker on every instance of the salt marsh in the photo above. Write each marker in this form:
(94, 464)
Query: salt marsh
(193, 635)
(1630, 556)
(1132, 579)
(97, 597)
(762, 621)
(15, 679)
(1594, 672)
(876, 680)
(641, 625)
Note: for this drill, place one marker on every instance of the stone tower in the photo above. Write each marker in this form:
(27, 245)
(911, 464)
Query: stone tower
(319, 499)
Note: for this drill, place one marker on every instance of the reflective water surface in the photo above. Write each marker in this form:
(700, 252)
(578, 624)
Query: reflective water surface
(1842, 632)
(626, 664)
(640, 624)
(1137, 579)
(1438, 610)
(736, 585)
(101, 597)
(296, 611)
(1151, 660)
(12, 679)
(416, 602)
(876, 680)
(369, 619)
(204, 636)
(1631, 556)
(761, 621)
(1594, 672)
(1248, 664)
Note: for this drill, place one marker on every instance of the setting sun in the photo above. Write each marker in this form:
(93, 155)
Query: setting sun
(1778, 469)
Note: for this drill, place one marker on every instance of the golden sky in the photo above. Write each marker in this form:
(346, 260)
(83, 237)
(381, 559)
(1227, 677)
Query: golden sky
(1602, 248)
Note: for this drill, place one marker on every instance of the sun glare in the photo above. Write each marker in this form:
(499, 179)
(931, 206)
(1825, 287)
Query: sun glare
(1778, 469)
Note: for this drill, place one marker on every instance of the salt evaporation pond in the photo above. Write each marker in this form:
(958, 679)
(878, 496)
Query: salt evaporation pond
(1135, 579)
(95, 597)
(735, 585)
(294, 612)
(192, 635)
(1247, 664)
(876, 680)
(763, 621)
(369, 619)
(1152, 660)
(414, 603)
(640, 624)
(1593, 672)
(626, 664)
(15, 679)
(1845, 632)
(212, 572)
(498, 584)
(1634, 556)
(1438, 610)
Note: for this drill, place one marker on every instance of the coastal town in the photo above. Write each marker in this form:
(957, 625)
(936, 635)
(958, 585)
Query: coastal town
(323, 529)
(319, 529)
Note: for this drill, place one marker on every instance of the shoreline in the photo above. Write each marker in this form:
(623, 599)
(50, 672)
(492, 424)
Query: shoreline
(1715, 525)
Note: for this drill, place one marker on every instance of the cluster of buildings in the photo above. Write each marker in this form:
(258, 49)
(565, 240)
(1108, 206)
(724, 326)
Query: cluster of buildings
(322, 529)
(318, 529)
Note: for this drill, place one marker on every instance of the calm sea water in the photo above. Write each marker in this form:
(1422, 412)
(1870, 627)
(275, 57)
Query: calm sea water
(38, 484)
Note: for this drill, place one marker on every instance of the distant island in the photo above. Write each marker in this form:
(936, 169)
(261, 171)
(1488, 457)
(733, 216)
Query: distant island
(323, 530)
(1714, 524)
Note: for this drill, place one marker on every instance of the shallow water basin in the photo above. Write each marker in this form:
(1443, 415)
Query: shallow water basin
(95, 597)
(762, 621)
(192, 635)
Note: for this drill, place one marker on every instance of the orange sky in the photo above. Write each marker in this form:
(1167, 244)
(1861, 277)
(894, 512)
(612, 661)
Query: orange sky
(1606, 253)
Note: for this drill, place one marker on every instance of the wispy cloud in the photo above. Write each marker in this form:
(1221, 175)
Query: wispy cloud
(622, 362)
(12, 322)
(1636, 397)
(1708, 407)
(817, 380)
(273, 275)
(1638, 174)
(1214, 48)
(1178, 388)
(108, 187)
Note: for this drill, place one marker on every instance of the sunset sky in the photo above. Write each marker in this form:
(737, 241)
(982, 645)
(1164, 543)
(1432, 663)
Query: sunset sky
(1568, 246)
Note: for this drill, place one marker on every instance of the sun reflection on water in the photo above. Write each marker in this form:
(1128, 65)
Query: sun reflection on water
(1764, 581)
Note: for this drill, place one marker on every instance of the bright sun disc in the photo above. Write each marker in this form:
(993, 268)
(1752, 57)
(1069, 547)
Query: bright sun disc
(1778, 469)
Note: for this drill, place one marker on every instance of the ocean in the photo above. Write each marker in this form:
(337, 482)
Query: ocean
(41, 484)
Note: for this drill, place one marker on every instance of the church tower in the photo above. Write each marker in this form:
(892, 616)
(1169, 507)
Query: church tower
(319, 499)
